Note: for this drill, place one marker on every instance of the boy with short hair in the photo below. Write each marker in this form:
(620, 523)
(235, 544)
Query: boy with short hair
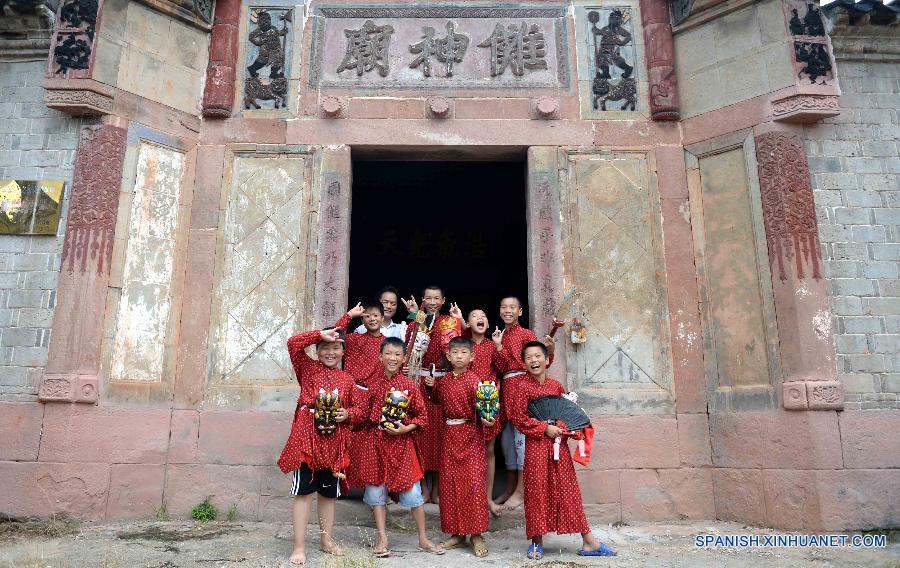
(443, 328)
(464, 503)
(509, 363)
(552, 496)
(316, 449)
(397, 411)
(361, 360)
(389, 298)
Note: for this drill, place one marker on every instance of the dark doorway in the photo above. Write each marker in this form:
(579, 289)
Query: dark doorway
(460, 225)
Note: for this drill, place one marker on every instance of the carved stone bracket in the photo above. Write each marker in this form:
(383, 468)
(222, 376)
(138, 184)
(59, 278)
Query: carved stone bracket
(660, 54)
(69, 388)
(802, 108)
(813, 395)
(218, 94)
(79, 97)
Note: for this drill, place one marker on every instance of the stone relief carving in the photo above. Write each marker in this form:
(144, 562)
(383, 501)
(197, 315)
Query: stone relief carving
(811, 50)
(269, 46)
(659, 52)
(516, 47)
(94, 201)
(448, 50)
(368, 48)
(613, 56)
(787, 200)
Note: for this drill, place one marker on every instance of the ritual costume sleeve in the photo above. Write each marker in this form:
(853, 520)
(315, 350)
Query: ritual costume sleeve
(343, 322)
(296, 346)
(360, 405)
(417, 414)
(519, 416)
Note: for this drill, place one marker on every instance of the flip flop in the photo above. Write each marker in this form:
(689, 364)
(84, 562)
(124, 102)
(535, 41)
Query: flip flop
(602, 550)
(459, 544)
(535, 552)
(382, 554)
(436, 550)
(480, 548)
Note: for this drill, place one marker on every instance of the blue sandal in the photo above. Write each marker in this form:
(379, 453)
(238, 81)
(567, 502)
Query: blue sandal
(602, 550)
(535, 552)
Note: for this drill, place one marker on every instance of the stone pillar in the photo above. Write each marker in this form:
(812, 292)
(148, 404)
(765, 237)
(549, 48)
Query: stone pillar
(801, 297)
(218, 95)
(545, 260)
(333, 259)
(73, 362)
(659, 52)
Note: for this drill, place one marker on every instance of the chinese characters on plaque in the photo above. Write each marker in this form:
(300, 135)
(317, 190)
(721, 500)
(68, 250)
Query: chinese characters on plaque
(30, 207)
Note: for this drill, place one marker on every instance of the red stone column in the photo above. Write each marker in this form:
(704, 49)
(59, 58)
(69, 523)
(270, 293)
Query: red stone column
(659, 51)
(218, 96)
(73, 362)
(801, 297)
(333, 260)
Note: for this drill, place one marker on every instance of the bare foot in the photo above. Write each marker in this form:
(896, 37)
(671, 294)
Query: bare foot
(495, 509)
(331, 548)
(298, 556)
(453, 542)
(436, 499)
(502, 499)
(381, 548)
(590, 543)
(513, 502)
(431, 548)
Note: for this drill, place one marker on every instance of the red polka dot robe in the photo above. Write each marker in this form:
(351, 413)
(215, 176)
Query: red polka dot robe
(444, 329)
(397, 462)
(552, 496)
(361, 360)
(464, 505)
(305, 444)
(509, 359)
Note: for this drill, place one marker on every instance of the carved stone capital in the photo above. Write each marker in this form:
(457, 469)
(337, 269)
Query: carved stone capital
(69, 388)
(546, 107)
(804, 108)
(793, 395)
(79, 97)
(333, 107)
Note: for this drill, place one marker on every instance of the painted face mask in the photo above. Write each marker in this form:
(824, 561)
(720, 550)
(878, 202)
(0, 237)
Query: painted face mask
(327, 403)
(487, 400)
(393, 411)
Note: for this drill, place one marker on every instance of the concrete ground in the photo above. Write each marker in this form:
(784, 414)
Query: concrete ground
(241, 544)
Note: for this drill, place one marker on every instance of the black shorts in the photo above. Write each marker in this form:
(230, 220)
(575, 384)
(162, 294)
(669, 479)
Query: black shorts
(321, 481)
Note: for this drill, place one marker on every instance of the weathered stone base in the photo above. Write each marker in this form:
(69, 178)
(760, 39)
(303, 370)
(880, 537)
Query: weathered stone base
(821, 470)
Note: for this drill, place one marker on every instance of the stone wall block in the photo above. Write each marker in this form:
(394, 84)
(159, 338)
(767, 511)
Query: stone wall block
(242, 437)
(20, 423)
(870, 438)
(859, 498)
(629, 442)
(135, 491)
(694, 448)
(599, 485)
(739, 495)
(189, 484)
(184, 436)
(791, 499)
(42, 489)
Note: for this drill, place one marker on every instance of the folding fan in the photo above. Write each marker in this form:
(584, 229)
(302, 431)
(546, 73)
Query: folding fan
(553, 409)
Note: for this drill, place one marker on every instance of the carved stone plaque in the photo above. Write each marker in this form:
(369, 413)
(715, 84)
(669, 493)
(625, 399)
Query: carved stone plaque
(30, 207)
(432, 47)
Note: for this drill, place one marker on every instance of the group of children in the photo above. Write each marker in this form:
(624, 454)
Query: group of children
(370, 426)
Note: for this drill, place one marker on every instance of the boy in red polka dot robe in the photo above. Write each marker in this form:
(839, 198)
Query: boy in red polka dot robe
(552, 496)
(464, 502)
(316, 450)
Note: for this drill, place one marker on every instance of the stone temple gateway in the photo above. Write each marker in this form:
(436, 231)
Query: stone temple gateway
(711, 184)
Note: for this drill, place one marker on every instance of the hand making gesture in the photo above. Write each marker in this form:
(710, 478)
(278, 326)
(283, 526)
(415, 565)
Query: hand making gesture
(411, 305)
(330, 335)
(497, 338)
(550, 344)
(455, 312)
(357, 311)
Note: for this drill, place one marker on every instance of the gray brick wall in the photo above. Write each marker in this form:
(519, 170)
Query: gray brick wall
(35, 143)
(854, 163)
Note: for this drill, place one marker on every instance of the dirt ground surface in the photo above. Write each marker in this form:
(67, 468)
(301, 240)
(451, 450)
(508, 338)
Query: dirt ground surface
(241, 544)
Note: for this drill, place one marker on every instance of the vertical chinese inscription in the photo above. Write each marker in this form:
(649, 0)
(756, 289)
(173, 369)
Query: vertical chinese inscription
(368, 48)
(612, 62)
(448, 50)
(74, 38)
(269, 48)
(516, 47)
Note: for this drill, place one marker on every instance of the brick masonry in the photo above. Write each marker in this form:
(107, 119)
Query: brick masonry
(853, 159)
(35, 143)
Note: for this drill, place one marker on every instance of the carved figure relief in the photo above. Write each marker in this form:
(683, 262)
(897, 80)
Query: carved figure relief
(516, 47)
(368, 48)
(75, 31)
(613, 56)
(811, 49)
(448, 50)
(269, 49)
(787, 200)
(814, 60)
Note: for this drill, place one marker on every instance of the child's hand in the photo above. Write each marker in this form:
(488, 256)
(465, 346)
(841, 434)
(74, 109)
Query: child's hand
(411, 305)
(553, 431)
(429, 381)
(330, 335)
(497, 338)
(357, 311)
(455, 312)
(341, 415)
(550, 344)
(488, 422)
(400, 429)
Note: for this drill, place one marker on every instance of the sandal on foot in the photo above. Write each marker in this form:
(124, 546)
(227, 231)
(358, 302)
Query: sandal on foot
(436, 550)
(447, 545)
(535, 552)
(601, 550)
(481, 549)
(381, 553)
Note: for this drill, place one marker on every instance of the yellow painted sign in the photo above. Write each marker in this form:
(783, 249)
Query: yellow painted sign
(29, 207)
